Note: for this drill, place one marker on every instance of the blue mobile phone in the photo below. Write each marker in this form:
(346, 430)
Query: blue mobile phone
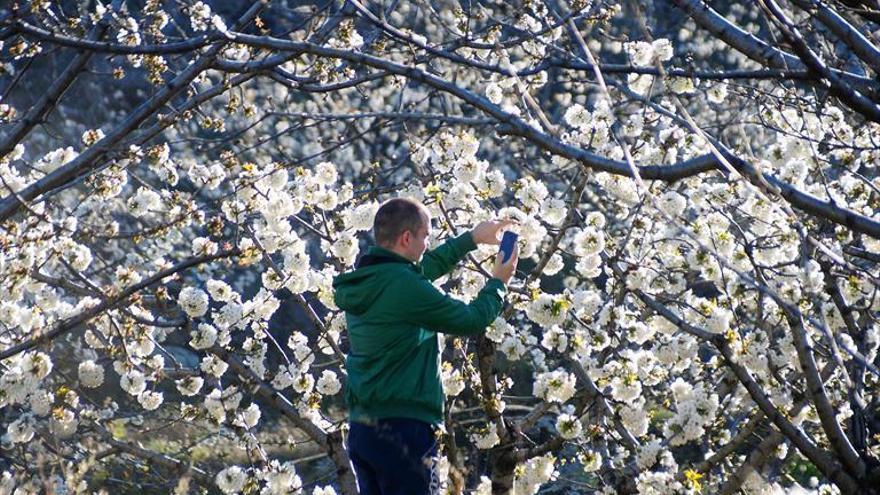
(508, 241)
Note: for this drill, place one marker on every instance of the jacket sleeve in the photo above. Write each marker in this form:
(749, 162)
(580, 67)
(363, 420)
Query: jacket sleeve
(425, 305)
(442, 259)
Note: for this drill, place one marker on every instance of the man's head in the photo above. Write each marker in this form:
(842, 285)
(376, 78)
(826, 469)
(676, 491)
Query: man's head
(403, 225)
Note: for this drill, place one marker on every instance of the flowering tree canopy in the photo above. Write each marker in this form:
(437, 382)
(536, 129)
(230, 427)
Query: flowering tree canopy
(697, 192)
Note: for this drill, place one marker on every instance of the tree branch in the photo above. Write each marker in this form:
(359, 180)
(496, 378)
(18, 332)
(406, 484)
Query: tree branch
(837, 86)
(50, 98)
(755, 48)
(844, 31)
(71, 323)
(329, 442)
(510, 124)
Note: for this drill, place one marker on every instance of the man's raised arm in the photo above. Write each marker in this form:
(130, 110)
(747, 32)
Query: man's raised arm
(424, 305)
(442, 259)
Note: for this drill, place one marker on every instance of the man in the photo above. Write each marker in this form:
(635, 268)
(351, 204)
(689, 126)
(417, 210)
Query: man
(394, 314)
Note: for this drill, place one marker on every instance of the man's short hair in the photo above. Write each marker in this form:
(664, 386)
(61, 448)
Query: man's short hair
(396, 216)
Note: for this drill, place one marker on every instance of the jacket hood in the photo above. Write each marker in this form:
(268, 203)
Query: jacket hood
(357, 290)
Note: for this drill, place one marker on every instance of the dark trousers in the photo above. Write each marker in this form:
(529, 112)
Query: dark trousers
(394, 456)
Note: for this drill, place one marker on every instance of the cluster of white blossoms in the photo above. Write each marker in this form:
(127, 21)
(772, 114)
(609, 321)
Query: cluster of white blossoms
(554, 386)
(347, 36)
(695, 409)
(530, 192)
(214, 366)
(635, 418)
(20, 431)
(209, 176)
(548, 310)
(193, 301)
(486, 436)
(672, 203)
(717, 92)
(133, 381)
(659, 483)
(190, 385)
(494, 93)
(203, 337)
(231, 479)
(456, 155)
(577, 116)
(218, 402)
(534, 473)
(248, 417)
(644, 54)
(22, 376)
(200, 16)
(625, 386)
(587, 244)
(55, 159)
(555, 339)
(619, 187)
(453, 380)
(591, 129)
(553, 211)
(145, 201)
(150, 400)
(129, 34)
(63, 423)
(513, 344)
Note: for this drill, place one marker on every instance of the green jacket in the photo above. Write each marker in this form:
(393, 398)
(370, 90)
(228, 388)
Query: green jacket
(394, 314)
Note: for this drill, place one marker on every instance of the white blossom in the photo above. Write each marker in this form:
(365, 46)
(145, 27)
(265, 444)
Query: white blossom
(494, 93)
(63, 423)
(203, 337)
(213, 365)
(248, 417)
(486, 437)
(568, 426)
(200, 14)
(144, 201)
(91, 374)
(328, 383)
(577, 116)
(190, 385)
(150, 400)
(231, 479)
(672, 203)
(453, 381)
(193, 301)
(554, 386)
(591, 461)
(20, 430)
(134, 382)
(202, 246)
(717, 93)
(304, 383)
(326, 174)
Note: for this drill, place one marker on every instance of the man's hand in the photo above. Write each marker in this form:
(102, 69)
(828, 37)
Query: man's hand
(505, 271)
(488, 232)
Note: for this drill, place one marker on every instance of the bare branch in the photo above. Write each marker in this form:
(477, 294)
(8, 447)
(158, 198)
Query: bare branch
(845, 31)
(837, 86)
(92, 46)
(755, 48)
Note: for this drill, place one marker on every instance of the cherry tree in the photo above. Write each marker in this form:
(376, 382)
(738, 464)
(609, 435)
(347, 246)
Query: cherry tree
(696, 187)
